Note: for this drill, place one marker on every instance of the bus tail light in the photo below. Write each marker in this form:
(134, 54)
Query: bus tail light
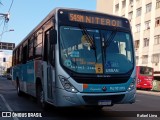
(132, 85)
(67, 85)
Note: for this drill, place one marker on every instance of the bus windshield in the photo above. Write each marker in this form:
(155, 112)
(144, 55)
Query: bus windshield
(95, 51)
(146, 71)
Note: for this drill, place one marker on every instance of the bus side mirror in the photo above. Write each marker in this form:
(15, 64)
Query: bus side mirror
(53, 37)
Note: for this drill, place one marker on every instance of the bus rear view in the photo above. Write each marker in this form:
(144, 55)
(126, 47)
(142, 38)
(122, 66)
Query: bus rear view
(144, 77)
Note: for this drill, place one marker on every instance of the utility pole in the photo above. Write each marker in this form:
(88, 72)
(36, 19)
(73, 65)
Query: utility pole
(6, 19)
(6, 16)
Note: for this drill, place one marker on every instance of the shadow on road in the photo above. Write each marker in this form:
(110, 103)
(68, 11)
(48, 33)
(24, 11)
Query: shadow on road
(80, 113)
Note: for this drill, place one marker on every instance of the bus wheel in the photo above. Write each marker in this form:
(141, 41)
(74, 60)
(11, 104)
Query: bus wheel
(19, 92)
(40, 96)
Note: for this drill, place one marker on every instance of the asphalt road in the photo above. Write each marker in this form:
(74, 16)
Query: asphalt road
(146, 104)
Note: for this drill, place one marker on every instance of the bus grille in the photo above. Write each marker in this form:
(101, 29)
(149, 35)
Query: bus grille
(103, 80)
(94, 99)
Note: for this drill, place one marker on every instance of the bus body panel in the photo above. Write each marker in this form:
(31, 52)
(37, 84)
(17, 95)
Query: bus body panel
(25, 74)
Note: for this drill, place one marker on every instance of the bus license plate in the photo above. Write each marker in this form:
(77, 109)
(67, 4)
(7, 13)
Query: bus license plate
(105, 102)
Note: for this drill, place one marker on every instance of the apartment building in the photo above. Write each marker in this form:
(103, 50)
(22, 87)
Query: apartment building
(144, 16)
(5, 64)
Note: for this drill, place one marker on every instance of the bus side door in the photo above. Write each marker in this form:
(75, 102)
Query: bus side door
(49, 50)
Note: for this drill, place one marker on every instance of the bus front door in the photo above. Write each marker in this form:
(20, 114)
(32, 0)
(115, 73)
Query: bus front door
(49, 57)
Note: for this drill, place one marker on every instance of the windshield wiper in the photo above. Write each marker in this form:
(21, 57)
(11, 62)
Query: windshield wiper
(89, 39)
(110, 38)
(107, 42)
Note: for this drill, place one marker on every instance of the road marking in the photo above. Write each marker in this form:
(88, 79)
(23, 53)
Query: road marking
(138, 100)
(8, 107)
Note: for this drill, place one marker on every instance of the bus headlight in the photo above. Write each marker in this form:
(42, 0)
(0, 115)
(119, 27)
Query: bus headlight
(132, 85)
(67, 85)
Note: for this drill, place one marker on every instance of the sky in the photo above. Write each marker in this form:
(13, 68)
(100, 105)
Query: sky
(26, 14)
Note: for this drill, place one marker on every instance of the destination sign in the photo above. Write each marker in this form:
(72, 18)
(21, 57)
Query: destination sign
(109, 21)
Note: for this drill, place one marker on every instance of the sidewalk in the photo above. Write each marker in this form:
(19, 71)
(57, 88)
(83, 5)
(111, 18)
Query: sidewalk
(149, 92)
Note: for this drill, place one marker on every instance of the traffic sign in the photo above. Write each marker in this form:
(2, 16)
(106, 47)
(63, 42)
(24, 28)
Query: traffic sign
(7, 46)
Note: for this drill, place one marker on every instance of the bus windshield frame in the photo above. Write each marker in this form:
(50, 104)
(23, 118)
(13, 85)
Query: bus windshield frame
(90, 34)
(81, 57)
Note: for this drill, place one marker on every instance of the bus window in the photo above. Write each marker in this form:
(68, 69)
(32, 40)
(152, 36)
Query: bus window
(25, 54)
(30, 50)
(20, 54)
(77, 53)
(117, 56)
(38, 44)
(146, 71)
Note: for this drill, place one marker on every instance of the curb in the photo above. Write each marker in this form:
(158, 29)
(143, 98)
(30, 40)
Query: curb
(156, 93)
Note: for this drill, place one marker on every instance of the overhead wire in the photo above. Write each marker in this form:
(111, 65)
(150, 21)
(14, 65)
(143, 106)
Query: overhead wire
(10, 6)
(4, 25)
(1, 22)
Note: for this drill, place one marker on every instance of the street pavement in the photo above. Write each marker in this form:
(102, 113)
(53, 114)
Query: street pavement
(9, 101)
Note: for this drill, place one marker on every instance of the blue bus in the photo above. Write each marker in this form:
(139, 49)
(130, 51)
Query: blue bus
(77, 58)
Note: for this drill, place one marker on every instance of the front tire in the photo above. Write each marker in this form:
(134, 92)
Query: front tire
(40, 96)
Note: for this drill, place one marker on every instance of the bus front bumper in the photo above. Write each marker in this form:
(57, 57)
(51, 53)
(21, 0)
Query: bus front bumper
(65, 98)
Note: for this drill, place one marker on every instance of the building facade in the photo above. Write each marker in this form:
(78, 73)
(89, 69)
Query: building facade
(144, 16)
(5, 64)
